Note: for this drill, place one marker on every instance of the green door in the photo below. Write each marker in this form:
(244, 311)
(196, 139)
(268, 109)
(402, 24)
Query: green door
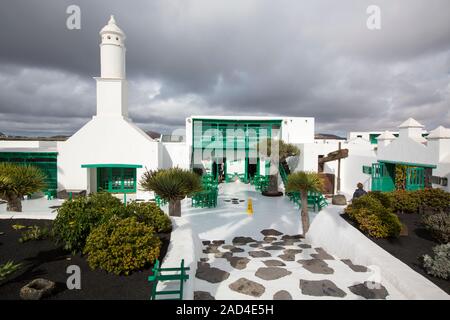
(415, 178)
(383, 177)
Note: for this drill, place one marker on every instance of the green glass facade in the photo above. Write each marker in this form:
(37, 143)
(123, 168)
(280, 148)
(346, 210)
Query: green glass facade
(225, 141)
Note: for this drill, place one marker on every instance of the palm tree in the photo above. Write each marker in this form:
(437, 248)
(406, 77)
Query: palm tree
(19, 180)
(172, 185)
(304, 181)
(278, 151)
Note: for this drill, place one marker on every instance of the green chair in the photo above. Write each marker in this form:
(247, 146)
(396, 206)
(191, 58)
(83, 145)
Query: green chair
(176, 274)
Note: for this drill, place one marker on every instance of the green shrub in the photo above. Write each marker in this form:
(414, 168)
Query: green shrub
(34, 233)
(120, 246)
(406, 201)
(150, 214)
(439, 265)
(373, 218)
(439, 226)
(436, 199)
(386, 198)
(77, 217)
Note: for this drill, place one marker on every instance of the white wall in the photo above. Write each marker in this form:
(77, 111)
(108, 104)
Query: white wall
(109, 140)
(174, 154)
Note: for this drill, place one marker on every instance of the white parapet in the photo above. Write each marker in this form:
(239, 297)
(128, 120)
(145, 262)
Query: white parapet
(331, 231)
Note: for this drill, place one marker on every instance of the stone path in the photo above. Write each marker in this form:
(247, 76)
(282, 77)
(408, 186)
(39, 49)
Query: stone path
(280, 267)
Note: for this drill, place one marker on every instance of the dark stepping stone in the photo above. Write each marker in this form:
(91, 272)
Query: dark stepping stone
(256, 245)
(273, 248)
(235, 202)
(319, 288)
(269, 239)
(282, 295)
(355, 267)
(238, 262)
(370, 290)
(212, 275)
(235, 199)
(296, 237)
(211, 249)
(225, 255)
(284, 243)
(204, 259)
(316, 266)
(274, 263)
(304, 246)
(206, 242)
(272, 273)
(203, 295)
(240, 241)
(287, 257)
(292, 251)
(248, 287)
(218, 242)
(227, 200)
(321, 254)
(241, 200)
(271, 232)
(259, 254)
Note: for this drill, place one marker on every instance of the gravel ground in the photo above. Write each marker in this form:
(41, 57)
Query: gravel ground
(43, 259)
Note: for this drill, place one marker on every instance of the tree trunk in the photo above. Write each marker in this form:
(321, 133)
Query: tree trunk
(14, 203)
(273, 184)
(304, 211)
(175, 208)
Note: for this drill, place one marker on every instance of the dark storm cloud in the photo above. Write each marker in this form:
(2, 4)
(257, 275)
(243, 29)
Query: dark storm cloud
(260, 57)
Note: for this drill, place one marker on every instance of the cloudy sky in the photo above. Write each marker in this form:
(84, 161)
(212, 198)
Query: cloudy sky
(229, 57)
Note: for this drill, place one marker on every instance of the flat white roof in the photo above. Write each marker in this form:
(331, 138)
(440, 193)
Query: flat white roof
(246, 117)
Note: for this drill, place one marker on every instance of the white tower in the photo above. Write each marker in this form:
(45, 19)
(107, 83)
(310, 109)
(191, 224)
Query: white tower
(112, 86)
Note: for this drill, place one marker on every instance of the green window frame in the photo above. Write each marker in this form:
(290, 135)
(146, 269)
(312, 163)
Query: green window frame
(116, 179)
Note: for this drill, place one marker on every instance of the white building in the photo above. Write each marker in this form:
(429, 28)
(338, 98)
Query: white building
(110, 152)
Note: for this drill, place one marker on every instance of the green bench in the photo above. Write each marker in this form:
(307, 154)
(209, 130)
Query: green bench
(159, 275)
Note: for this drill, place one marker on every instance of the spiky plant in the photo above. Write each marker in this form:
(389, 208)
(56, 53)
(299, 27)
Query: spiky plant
(172, 185)
(8, 268)
(303, 182)
(17, 181)
(278, 151)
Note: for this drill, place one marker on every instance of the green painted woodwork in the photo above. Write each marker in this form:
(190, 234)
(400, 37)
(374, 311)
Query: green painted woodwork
(212, 137)
(373, 138)
(110, 165)
(410, 164)
(160, 275)
(383, 177)
(116, 179)
(46, 161)
(415, 179)
(367, 169)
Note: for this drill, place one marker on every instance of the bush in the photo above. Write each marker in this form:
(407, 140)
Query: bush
(386, 198)
(150, 214)
(439, 265)
(373, 218)
(122, 245)
(34, 233)
(77, 217)
(439, 226)
(406, 201)
(436, 199)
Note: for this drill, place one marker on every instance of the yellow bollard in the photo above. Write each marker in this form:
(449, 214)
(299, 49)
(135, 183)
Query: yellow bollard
(249, 207)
